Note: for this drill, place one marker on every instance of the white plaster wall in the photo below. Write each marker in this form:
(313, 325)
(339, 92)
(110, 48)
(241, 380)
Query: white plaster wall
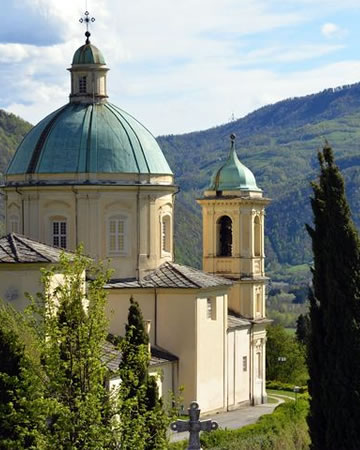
(211, 354)
(16, 280)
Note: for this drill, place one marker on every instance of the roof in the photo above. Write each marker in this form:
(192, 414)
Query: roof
(15, 248)
(88, 54)
(233, 175)
(89, 138)
(236, 321)
(174, 276)
(112, 356)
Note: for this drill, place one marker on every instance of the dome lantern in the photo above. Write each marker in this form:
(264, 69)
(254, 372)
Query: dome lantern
(88, 71)
(233, 175)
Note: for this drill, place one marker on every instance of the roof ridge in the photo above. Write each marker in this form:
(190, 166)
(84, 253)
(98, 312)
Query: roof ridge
(32, 248)
(5, 250)
(13, 246)
(183, 275)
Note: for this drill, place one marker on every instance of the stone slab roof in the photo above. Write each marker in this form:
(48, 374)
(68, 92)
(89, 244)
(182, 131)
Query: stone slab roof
(171, 275)
(112, 356)
(235, 321)
(15, 248)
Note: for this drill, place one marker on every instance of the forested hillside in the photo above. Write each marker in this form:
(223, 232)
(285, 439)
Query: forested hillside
(12, 131)
(279, 144)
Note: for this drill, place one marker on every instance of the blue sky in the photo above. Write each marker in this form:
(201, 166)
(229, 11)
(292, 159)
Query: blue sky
(179, 66)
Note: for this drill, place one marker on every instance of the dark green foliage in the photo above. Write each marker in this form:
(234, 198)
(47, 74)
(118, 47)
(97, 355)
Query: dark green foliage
(143, 423)
(303, 329)
(334, 348)
(23, 410)
(73, 328)
(281, 344)
(284, 429)
(156, 419)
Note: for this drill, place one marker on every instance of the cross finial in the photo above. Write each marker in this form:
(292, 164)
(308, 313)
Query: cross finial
(194, 426)
(232, 139)
(86, 19)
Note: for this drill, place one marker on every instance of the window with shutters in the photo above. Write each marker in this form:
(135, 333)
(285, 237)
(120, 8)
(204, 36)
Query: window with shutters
(166, 234)
(117, 227)
(59, 233)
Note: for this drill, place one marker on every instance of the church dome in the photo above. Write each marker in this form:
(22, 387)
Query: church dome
(233, 175)
(89, 138)
(88, 54)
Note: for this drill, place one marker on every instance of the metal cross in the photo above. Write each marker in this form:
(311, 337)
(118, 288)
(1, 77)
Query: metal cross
(194, 426)
(87, 21)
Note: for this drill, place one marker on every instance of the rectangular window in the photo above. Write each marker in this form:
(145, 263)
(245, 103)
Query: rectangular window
(59, 234)
(244, 363)
(165, 234)
(116, 235)
(211, 308)
(82, 85)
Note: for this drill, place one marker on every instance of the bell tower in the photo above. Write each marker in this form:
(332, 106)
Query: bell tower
(233, 234)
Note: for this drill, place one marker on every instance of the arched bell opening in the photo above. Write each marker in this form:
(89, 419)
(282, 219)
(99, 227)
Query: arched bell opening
(224, 236)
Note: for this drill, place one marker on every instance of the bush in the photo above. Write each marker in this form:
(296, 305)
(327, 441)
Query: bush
(279, 386)
(284, 429)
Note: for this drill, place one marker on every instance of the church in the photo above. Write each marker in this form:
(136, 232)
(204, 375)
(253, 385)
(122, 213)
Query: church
(90, 173)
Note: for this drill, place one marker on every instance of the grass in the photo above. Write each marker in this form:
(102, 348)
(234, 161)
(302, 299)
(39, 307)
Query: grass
(280, 393)
(272, 400)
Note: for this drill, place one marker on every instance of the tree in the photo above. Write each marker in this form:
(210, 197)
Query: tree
(280, 344)
(143, 423)
(23, 409)
(73, 331)
(303, 328)
(334, 345)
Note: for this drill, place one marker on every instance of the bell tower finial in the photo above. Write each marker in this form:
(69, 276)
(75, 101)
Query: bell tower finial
(86, 19)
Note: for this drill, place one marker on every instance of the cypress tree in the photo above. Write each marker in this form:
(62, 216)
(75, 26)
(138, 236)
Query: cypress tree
(23, 410)
(303, 328)
(334, 343)
(143, 422)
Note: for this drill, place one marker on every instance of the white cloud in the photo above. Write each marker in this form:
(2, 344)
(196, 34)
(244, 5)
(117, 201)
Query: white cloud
(331, 30)
(176, 66)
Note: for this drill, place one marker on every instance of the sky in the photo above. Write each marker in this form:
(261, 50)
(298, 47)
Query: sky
(179, 66)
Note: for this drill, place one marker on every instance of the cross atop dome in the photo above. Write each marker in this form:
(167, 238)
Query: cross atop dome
(86, 19)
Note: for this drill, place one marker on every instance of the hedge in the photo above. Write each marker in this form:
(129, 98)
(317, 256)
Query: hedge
(284, 429)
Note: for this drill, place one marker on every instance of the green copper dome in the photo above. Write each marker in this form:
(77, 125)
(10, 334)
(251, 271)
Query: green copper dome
(88, 54)
(89, 138)
(233, 175)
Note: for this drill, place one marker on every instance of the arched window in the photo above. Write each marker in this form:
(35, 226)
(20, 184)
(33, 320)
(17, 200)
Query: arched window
(257, 236)
(166, 234)
(82, 85)
(224, 236)
(14, 224)
(117, 231)
(59, 233)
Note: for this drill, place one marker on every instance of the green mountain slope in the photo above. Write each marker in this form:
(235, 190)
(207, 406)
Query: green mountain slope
(12, 131)
(279, 144)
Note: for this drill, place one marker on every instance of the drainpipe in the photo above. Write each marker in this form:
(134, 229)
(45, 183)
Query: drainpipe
(155, 314)
(172, 224)
(76, 217)
(138, 230)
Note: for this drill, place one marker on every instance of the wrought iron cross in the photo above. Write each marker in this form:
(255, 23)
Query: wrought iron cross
(87, 21)
(194, 426)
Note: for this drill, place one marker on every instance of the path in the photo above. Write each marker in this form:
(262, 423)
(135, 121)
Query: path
(235, 419)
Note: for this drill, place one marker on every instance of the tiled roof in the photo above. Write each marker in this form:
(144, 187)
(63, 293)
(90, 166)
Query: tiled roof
(112, 356)
(235, 321)
(15, 248)
(171, 275)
